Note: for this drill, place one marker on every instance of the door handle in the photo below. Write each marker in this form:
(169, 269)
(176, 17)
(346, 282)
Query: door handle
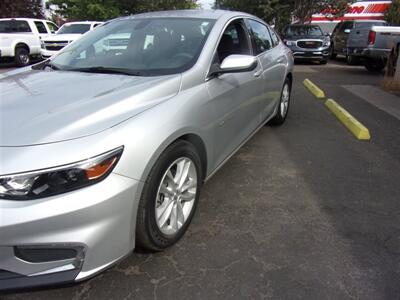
(258, 73)
(280, 60)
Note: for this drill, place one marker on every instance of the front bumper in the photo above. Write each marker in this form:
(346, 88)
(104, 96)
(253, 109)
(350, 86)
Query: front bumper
(47, 53)
(68, 237)
(315, 53)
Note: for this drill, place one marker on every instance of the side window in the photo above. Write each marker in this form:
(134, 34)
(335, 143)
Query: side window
(53, 27)
(40, 27)
(261, 37)
(234, 41)
(347, 25)
(274, 36)
(97, 24)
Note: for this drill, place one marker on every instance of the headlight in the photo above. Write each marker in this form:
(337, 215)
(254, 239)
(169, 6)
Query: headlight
(290, 43)
(326, 43)
(58, 180)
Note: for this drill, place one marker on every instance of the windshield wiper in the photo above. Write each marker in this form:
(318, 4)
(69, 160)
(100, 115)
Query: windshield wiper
(106, 70)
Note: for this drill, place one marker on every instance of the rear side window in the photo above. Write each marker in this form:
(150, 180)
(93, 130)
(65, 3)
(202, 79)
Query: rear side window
(14, 26)
(52, 26)
(261, 37)
(274, 36)
(347, 25)
(40, 27)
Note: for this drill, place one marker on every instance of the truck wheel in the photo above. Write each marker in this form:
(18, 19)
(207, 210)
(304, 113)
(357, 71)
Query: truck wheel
(374, 65)
(22, 57)
(351, 60)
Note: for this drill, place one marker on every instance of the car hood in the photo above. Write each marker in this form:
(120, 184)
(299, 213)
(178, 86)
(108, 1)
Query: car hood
(39, 107)
(62, 37)
(305, 37)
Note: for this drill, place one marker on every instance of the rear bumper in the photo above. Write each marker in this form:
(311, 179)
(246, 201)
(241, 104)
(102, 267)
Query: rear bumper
(69, 237)
(368, 52)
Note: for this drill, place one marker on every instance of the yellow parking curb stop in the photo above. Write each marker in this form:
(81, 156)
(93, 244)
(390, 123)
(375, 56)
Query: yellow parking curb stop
(316, 91)
(352, 124)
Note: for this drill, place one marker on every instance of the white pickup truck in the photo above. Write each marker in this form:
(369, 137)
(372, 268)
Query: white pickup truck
(20, 38)
(373, 45)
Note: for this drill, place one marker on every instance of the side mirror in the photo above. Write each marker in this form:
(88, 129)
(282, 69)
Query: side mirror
(347, 31)
(235, 63)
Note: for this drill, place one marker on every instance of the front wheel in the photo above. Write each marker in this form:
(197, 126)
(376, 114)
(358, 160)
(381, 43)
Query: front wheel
(22, 57)
(169, 197)
(283, 108)
(323, 61)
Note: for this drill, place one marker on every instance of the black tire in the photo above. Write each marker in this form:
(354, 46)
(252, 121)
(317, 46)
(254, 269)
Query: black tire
(323, 61)
(279, 118)
(22, 57)
(333, 53)
(374, 65)
(351, 60)
(148, 234)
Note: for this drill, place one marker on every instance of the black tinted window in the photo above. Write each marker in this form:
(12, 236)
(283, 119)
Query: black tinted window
(233, 41)
(74, 28)
(261, 36)
(347, 25)
(40, 27)
(12, 26)
(275, 39)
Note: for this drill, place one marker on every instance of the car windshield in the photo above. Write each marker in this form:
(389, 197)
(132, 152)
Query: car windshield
(74, 28)
(303, 31)
(142, 47)
(14, 26)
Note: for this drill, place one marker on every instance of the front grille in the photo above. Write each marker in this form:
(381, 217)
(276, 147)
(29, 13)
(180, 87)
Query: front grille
(54, 48)
(309, 44)
(55, 45)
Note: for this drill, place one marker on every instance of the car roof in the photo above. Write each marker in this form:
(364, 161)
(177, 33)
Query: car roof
(83, 22)
(23, 19)
(190, 13)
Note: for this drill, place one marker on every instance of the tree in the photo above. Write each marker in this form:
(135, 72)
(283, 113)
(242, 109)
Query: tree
(109, 9)
(21, 8)
(392, 15)
(282, 13)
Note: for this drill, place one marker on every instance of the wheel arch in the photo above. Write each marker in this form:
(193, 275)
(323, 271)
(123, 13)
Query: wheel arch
(21, 45)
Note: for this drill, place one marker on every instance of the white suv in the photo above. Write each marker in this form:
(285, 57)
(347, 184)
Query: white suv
(68, 33)
(20, 38)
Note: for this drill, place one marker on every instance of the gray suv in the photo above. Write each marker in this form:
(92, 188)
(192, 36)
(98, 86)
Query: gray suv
(307, 42)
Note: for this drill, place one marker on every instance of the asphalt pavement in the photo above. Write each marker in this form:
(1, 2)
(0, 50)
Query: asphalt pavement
(302, 211)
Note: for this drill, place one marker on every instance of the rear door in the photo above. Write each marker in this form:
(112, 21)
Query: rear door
(269, 51)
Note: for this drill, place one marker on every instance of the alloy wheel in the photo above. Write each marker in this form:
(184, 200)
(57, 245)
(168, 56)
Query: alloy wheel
(176, 196)
(285, 100)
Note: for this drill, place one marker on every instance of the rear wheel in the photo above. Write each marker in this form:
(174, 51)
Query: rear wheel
(374, 65)
(169, 198)
(351, 60)
(283, 108)
(22, 57)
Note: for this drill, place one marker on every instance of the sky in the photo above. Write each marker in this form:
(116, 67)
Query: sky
(206, 4)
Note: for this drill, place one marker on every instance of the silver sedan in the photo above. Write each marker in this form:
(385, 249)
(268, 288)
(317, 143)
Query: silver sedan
(106, 146)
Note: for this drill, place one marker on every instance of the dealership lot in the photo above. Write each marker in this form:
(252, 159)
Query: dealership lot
(301, 211)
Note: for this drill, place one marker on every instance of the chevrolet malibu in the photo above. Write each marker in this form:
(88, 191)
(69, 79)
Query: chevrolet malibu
(106, 146)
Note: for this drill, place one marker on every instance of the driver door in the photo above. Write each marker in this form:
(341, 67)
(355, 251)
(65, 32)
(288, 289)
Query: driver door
(236, 96)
